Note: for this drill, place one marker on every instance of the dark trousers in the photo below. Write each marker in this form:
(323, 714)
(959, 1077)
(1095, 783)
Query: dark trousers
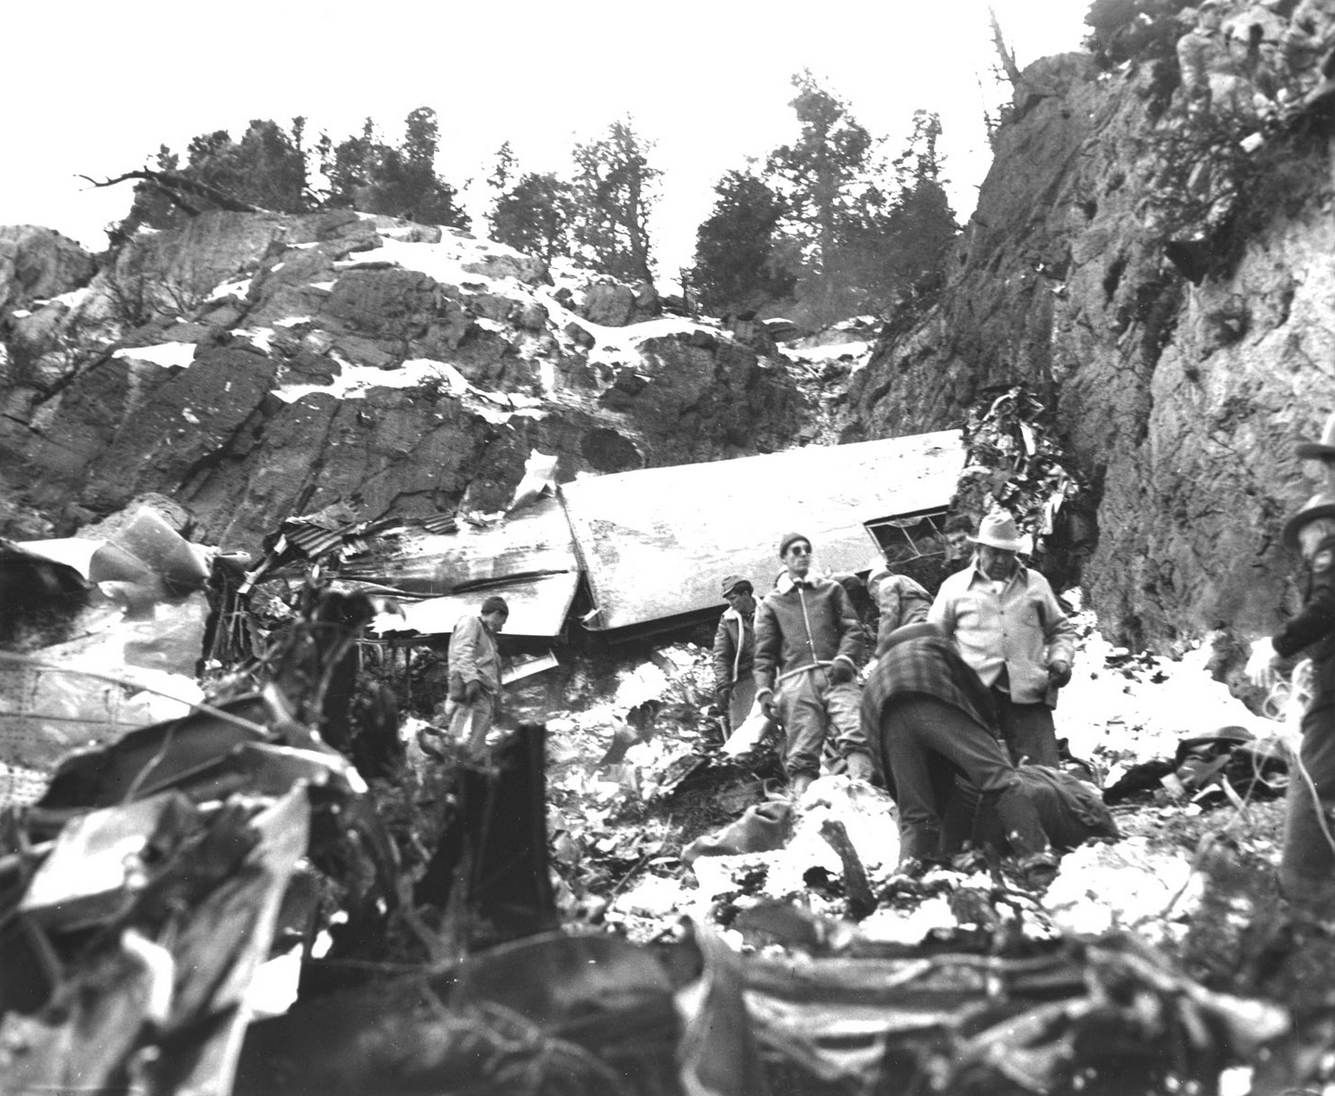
(1307, 863)
(923, 743)
(1028, 731)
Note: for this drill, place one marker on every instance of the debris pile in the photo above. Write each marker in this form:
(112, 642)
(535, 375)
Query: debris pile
(1016, 462)
(286, 885)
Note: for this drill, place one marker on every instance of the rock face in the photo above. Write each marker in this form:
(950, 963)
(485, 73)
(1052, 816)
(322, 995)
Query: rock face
(253, 366)
(36, 263)
(1182, 397)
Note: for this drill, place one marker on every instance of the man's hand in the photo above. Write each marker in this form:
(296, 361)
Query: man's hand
(723, 696)
(1059, 673)
(1262, 666)
(472, 692)
(767, 705)
(839, 672)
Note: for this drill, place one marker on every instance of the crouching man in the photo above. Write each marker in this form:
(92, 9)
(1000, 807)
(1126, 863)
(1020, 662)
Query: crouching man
(928, 716)
(808, 639)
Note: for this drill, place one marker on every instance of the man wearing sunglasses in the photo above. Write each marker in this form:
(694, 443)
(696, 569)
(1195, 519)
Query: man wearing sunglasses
(808, 640)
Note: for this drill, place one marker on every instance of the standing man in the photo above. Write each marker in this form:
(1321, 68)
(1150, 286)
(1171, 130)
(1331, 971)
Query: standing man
(928, 717)
(1202, 53)
(958, 533)
(475, 675)
(899, 600)
(808, 640)
(1307, 862)
(734, 652)
(1012, 631)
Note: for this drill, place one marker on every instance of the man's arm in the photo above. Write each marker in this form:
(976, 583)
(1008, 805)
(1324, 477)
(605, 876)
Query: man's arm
(942, 611)
(850, 628)
(725, 654)
(1058, 631)
(768, 642)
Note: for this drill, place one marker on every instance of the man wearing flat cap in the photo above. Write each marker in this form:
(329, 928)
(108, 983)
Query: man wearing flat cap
(475, 674)
(734, 651)
(1307, 861)
(1012, 631)
(808, 640)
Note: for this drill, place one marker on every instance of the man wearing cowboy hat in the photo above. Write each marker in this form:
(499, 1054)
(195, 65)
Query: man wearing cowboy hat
(1307, 862)
(1012, 631)
(734, 651)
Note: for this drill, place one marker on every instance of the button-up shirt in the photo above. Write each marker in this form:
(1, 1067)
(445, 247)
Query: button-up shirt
(1020, 628)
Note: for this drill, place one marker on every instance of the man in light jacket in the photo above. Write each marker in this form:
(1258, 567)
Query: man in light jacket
(475, 674)
(808, 639)
(1012, 631)
(734, 651)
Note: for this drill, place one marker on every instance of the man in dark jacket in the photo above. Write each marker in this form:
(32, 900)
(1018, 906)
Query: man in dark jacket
(734, 651)
(808, 639)
(1307, 862)
(928, 717)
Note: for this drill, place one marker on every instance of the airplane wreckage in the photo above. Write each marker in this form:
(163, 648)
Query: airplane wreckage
(235, 855)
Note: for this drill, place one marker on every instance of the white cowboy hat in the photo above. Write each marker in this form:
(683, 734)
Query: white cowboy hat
(999, 531)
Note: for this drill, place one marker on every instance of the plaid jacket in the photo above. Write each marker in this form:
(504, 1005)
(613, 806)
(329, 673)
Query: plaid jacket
(926, 666)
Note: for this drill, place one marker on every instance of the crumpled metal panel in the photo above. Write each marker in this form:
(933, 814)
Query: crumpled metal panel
(656, 542)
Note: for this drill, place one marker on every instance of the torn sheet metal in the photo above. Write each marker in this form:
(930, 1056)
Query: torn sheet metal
(534, 542)
(527, 558)
(655, 542)
(538, 608)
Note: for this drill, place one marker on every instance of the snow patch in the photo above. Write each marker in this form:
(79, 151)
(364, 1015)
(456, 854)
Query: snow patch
(168, 355)
(231, 289)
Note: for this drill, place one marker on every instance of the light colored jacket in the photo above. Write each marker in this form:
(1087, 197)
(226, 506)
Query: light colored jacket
(474, 656)
(899, 599)
(1022, 629)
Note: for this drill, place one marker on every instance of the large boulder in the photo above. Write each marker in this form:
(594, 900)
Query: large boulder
(38, 263)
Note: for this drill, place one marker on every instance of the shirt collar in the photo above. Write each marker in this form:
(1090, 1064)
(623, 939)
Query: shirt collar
(979, 575)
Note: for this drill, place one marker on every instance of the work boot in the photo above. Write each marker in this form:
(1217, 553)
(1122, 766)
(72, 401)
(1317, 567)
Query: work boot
(1038, 870)
(860, 766)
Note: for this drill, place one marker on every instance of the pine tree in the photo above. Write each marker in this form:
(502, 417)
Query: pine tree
(613, 192)
(736, 262)
(367, 174)
(921, 227)
(534, 216)
(825, 177)
(504, 171)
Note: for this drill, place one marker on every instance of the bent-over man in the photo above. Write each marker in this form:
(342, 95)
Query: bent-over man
(928, 717)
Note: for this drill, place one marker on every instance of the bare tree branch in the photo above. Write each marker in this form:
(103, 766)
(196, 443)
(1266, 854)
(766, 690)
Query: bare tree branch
(171, 183)
(1008, 65)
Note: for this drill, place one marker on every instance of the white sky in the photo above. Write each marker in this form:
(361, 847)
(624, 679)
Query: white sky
(93, 87)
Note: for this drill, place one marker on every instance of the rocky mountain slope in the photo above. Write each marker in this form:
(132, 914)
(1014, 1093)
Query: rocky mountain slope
(1182, 357)
(253, 366)
(1183, 343)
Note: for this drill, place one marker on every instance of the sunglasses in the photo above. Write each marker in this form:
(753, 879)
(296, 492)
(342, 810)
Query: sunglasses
(799, 550)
